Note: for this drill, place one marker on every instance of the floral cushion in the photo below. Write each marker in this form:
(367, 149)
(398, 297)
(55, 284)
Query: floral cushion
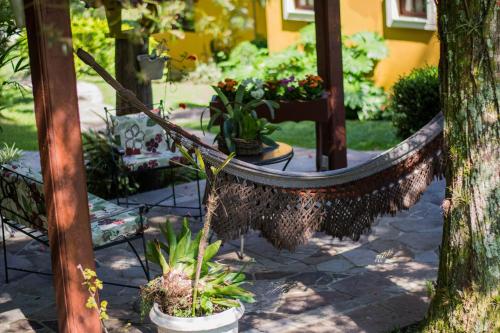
(22, 200)
(152, 160)
(138, 134)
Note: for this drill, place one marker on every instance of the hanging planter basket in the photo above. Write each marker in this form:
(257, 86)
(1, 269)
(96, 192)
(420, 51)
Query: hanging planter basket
(151, 67)
(18, 11)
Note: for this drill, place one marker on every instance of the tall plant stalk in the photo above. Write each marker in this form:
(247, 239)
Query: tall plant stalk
(212, 203)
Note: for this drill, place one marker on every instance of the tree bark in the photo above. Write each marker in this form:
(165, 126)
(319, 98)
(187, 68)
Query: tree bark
(467, 294)
(127, 73)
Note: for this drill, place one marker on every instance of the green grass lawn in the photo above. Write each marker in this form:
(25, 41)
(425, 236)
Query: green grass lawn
(366, 135)
(17, 121)
(182, 92)
(18, 127)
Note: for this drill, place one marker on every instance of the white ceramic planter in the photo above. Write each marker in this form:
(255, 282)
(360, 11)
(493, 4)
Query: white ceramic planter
(224, 322)
(152, 68)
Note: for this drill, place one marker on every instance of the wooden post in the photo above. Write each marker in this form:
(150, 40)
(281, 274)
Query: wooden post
(59, 138)
(330, 137)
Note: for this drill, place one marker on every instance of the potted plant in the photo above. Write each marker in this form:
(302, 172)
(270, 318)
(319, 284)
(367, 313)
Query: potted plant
(194, 293)
(241, 130)
(170, 299)
(152, 65)
(298, 100)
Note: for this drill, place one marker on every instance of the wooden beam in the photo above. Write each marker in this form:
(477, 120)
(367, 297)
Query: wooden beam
(59, 139)
(331, 137)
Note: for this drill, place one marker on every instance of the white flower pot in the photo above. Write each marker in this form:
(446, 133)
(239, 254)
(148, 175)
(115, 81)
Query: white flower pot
(152, 68)
(18, 11)
(224, 322)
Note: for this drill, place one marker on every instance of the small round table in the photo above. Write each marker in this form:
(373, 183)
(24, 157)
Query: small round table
(271, 155)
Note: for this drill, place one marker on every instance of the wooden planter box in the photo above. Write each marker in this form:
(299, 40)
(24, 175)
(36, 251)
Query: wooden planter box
(315, 110)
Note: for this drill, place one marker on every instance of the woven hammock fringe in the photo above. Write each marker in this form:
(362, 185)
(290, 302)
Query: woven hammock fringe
(290, 217)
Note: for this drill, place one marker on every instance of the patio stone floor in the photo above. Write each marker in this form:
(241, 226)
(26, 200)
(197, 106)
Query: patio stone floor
(328, 285)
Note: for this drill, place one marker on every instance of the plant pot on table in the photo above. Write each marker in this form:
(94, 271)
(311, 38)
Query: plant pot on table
(223, 322)
(242, 147)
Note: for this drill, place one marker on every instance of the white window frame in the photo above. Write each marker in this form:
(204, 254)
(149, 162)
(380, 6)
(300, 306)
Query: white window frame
(290, 12)
(395, 20)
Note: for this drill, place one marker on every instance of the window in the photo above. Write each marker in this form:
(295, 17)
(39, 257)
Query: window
(298, 10)
(411, 14)
(304, 4)
(413, 8)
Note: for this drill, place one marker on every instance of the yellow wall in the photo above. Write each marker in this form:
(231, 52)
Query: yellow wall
(199, 43)
(408, 48)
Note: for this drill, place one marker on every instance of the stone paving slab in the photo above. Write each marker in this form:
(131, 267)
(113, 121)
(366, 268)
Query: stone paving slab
(328, 285)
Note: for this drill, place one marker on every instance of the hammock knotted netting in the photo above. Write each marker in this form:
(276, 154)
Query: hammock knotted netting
(289, 207)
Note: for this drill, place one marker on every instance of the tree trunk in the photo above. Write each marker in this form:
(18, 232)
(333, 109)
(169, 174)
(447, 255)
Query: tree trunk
(127, 73)
(467, 297)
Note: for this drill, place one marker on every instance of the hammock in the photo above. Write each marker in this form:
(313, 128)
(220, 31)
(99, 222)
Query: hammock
(289, 207)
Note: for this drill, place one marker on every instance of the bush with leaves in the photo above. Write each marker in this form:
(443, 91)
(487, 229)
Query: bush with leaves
(361, 53)
(415, 100)
(106, 173)
(90, 32)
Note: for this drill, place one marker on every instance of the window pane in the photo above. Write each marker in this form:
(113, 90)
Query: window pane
(304, 4)
(413, 8)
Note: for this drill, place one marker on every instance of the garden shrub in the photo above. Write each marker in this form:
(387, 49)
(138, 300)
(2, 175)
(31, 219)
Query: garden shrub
(361, 53)
(415, 100)
(106, 174)
(90, 32)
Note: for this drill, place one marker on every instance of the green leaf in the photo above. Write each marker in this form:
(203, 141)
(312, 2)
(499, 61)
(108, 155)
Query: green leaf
(268, 141)
(187, 156)
(211, 250)
(154, 254)
(240, 93)
(169, 234)
(193, 247)
(230, 303)
(224, 100)
(199, 159)
(223, 165)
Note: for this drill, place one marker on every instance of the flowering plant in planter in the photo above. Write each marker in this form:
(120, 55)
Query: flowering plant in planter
(291, 89)
(241, 130)
(219, 288)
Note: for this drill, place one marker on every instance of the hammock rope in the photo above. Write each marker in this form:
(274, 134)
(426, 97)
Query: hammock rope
(289, 207)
